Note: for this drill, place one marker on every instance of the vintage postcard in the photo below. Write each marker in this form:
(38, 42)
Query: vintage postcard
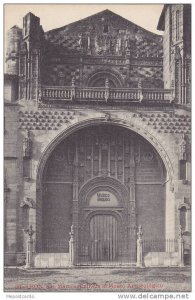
(97, 146)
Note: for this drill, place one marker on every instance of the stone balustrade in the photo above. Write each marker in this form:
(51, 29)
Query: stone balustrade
(104, 94)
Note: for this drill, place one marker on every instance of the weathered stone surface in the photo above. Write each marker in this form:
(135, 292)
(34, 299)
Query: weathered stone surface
(56, 155)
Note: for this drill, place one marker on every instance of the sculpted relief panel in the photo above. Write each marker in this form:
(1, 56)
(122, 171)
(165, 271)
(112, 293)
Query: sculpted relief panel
(106, 151)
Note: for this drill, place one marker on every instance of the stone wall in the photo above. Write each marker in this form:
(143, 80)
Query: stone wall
(13, 181)
(31, 134)
(14, 38)
(150, 200)
(150, 125)
(177, 51)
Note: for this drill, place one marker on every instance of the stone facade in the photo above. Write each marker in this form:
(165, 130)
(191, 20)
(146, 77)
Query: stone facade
(176, 23)
(89, 112)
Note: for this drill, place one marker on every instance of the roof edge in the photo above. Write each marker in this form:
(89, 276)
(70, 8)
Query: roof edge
(161, 22)
(98, 13)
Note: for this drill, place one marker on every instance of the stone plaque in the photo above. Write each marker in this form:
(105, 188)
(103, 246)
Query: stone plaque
(103, 198)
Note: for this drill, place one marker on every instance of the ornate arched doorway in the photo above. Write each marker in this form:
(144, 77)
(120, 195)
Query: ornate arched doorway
(101, 176)
(103, 238)
(106, 221)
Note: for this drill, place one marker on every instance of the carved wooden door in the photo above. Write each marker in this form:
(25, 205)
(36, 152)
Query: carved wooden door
(103, 238)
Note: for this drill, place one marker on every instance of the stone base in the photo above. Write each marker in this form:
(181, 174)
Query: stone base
(161, 259)
(14, 259)
(51, 260)
(21, 259)
(10, 259)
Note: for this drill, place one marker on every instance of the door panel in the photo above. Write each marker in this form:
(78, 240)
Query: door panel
(103, 238)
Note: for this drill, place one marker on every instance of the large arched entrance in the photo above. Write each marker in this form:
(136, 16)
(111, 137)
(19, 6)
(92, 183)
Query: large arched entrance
(105, 180)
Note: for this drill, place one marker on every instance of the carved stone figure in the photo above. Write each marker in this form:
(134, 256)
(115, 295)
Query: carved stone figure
(29, 232)
(118, 45)
(107, 116)
(180, 233)
(140, 232)
(71, 233)
(27, 144)
(182, 148)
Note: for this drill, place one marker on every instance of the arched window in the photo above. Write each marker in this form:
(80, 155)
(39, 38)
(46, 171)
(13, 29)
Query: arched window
(184, 216)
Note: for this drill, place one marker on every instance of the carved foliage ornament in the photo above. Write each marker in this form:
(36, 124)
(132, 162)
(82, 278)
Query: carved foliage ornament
(29, 202)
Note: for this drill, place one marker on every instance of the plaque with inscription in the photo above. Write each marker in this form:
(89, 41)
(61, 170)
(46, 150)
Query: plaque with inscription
(103, 198)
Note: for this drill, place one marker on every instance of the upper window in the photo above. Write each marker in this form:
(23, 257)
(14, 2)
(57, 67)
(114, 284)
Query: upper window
(177, 25)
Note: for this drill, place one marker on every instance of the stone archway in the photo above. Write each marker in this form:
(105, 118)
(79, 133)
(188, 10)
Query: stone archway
(119, 122)
(106, 223)
(98, 78)
(51, 149)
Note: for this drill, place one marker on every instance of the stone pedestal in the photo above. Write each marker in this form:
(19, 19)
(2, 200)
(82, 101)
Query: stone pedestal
(29, 254)
(72, 248)
(181, 248)
(140, 258)
(181, 252)
(30, 248)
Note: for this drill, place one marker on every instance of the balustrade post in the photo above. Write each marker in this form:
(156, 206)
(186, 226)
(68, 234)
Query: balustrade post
(140, 258)
(181, 248)
(30, 247)
(107, 89)
(140, 94)
(73, 90)
(72, 247)
(172, 95)
(40, 94)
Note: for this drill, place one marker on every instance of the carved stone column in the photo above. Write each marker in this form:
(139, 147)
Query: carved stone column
(178, 75)
(75, 202)
(182, 148)
(27, 152)
(140, 258)
(107, 89)
(140, 94)
(73, 88)
(6, 198)
(72, 247)
(27, 145)
(29, 203)
(180, 248)
(188, 218)
(188, 78)
(29, 252)
(132, 205)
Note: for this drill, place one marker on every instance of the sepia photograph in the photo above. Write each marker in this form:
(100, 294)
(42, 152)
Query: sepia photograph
(97, 148)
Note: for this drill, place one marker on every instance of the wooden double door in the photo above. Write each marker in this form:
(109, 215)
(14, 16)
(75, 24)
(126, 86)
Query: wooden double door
(103, 238)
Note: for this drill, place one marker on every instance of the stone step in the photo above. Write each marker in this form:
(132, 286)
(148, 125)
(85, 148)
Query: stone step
(165, 259)
(51, 260)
